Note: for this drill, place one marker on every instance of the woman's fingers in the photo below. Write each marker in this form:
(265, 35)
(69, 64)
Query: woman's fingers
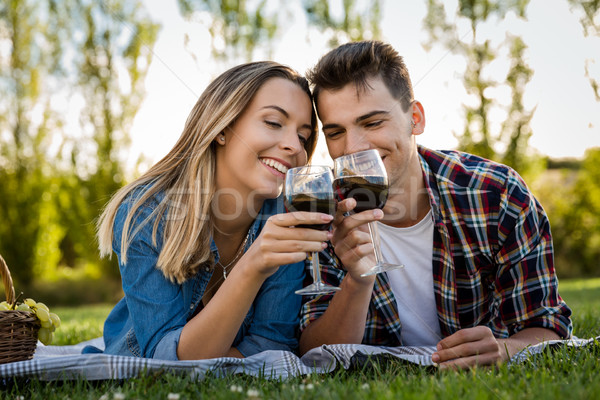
(300, 218)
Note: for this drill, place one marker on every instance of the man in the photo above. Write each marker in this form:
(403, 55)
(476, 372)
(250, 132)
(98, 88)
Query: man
(479, 281)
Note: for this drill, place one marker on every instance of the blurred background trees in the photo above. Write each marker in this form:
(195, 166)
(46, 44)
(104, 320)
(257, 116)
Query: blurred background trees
(72, 80)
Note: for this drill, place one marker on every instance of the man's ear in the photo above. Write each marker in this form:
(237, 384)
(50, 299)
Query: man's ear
(418, 117)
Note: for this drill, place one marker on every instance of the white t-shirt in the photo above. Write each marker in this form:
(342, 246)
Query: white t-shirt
(413, 285)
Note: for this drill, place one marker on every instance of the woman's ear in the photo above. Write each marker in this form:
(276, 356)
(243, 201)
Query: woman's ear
(220, 139)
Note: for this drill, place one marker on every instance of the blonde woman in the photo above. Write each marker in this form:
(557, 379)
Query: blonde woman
(208, 257)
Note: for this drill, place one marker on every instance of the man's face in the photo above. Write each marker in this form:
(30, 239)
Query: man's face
(372, 119)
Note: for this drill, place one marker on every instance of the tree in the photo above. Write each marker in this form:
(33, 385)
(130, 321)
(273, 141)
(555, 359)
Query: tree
(26, 124)
(575, 218)
(510, 143)
(238, 29)
(53, 182)
(115, 46)
(590, 21)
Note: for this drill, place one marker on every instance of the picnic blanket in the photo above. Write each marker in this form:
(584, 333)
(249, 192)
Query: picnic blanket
(67, 363)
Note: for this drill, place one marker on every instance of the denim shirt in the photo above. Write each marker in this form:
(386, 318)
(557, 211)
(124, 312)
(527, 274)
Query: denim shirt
(148, 321)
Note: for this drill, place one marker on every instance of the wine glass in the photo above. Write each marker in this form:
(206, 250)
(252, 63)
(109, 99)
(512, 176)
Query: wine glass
(362, 176)
(309, 188)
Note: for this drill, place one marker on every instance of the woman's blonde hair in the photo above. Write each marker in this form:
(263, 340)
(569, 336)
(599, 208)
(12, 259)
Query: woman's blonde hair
(187, 173)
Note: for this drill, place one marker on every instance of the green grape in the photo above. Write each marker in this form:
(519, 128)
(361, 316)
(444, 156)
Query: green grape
(4, 306)
(43, 315)
(23, 307)
(30, 302)
(55, 320)
(45, 336)
(46, 324)
(42, 306)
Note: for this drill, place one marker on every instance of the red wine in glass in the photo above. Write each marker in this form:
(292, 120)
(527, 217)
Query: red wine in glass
(313, 202)
(368, 191)
(362, 176)
(310, 188)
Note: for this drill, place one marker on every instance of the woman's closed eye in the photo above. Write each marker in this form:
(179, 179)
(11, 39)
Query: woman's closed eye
(302, 139)
(273, 124)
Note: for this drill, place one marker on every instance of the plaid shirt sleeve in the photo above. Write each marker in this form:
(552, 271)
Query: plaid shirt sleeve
(331, 274)
(526, 282)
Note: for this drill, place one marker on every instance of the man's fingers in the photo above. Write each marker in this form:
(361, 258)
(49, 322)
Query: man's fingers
(463, 336)
(469, 362)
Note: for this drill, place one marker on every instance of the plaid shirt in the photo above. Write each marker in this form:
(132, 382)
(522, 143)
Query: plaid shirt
(492, 256)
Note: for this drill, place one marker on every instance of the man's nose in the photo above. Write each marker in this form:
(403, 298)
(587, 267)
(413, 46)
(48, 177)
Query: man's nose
(356, 141)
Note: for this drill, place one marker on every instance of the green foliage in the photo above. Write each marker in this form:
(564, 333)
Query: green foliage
(96, 55)
(590, 21)
(236, 28)
(239, 28)
(508, 144)
(356, 22)
(26, 120)
(575, 217)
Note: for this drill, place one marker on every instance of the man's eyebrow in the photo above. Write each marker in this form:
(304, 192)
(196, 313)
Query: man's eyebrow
(371, 114)
(357, 120)
(277, 108)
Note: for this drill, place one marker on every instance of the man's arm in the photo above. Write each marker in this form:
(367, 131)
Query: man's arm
(525, 271)
(345, 318)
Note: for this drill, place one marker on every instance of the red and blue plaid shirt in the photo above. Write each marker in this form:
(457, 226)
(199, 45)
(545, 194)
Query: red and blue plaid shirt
(492, 256)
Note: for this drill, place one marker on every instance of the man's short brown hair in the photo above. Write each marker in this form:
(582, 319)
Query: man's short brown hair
(356, 63)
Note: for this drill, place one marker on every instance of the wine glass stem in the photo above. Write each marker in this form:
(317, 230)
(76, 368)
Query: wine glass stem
(316, 268)
(374, 231)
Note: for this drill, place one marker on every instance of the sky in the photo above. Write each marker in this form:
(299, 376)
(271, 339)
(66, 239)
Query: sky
(566, 120)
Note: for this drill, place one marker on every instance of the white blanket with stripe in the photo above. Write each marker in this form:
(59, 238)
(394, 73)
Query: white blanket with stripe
(67, 362)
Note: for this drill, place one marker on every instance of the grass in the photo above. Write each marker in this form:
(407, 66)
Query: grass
(566, 373)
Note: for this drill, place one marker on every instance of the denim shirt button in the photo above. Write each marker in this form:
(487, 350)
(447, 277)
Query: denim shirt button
(207, 268)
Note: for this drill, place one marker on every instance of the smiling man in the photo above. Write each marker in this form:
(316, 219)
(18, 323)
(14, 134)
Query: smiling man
(479, 280)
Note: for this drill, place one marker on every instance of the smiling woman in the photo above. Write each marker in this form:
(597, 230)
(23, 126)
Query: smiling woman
(213, 202)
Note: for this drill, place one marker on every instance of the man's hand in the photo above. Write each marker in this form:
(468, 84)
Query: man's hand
(477, 346)
(351, 239)
(469, 347)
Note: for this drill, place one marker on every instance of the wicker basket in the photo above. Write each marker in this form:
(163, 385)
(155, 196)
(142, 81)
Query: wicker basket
(18, 329)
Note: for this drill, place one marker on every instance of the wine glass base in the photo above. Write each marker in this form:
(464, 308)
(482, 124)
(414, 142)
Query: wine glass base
(317, 288)
(382, 268)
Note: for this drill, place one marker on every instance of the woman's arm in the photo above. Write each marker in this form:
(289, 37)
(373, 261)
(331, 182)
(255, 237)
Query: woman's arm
(212, 331)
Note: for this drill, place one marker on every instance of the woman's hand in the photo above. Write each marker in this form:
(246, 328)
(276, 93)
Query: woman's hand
(282, 242)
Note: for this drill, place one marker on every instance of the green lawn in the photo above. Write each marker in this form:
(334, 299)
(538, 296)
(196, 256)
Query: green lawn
(568, 374)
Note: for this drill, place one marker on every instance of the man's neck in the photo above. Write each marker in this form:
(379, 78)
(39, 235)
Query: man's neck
(408, 201)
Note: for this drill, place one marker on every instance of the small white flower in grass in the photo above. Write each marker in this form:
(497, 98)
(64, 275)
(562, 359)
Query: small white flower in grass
(104, 396)
(365, 386)
(173, 396)
(252, 393)
(235, 388)
(119, 396)
(302, 386)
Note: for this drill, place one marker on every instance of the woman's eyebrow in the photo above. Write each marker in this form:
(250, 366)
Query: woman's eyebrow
(281, 110)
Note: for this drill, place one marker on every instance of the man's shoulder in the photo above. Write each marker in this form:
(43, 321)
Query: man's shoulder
(466, 170)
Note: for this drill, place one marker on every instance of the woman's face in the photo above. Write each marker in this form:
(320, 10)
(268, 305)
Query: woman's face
(266, 140)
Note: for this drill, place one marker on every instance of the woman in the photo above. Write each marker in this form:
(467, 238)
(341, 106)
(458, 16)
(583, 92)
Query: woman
(208, 258)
